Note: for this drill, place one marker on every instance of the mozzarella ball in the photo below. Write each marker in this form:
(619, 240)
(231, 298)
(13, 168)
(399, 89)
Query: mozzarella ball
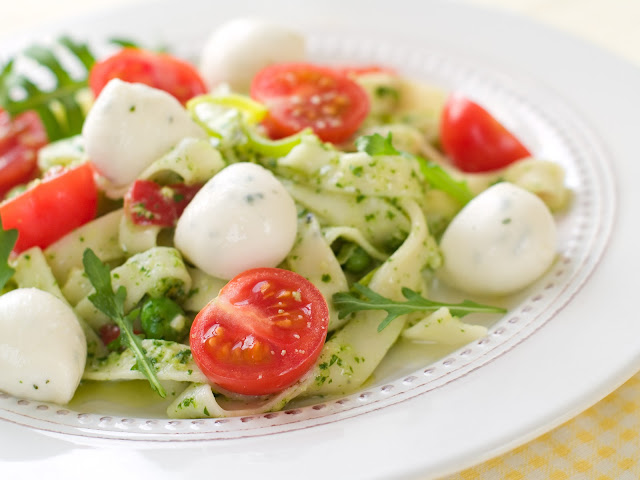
(42, 346)
(237, 50)
(500, 242)
(130, 126)
(242, 218)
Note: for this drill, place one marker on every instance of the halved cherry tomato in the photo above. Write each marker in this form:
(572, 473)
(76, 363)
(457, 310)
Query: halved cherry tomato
(158, 70)
(52, 208)
(474, 140)
(262, 333)
(301, 95)
(148, 203)
(20, 140)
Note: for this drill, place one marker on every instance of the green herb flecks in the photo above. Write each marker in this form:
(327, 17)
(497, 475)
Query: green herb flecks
(8, 240)
(366, 299)
(433, 173)
(112, 305)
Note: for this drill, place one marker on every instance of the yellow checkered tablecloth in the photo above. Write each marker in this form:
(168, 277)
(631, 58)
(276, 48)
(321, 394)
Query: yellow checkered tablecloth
(602, 443)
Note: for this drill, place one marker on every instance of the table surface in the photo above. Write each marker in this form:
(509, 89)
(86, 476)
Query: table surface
(603, 442)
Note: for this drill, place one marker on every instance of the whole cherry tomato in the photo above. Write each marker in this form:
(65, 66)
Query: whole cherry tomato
(158, 70)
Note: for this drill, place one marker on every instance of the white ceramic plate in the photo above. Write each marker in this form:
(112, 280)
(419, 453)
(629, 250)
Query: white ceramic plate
(568, 342)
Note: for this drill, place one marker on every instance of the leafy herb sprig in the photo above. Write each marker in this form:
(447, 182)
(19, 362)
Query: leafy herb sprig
(59, 108)
(367, 299)
(433, 173)
(112, 305)
(8, 240)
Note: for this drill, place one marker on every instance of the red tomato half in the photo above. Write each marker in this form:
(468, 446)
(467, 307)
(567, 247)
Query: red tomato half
(300, 95)
(148, 203)
(262, 333)
(474, 140)
(52, 208)
(158, 70)
(20, 140)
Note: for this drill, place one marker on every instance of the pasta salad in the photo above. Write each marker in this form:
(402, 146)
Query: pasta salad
(252, 230)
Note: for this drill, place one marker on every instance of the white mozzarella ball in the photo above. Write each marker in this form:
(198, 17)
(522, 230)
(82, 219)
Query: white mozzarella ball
(500, 242)
(130, 126)
(237, 50)
(242, 218)
(42, 346)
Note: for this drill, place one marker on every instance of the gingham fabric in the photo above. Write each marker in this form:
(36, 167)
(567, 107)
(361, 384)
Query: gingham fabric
(603, 443)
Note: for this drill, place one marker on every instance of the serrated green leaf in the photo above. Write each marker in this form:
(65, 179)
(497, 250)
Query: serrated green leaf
(49, 121)
(439, 179)
(80, 50)
(366, 299)
(74, 114)
(112, 304)
(63, 94)
(376, 144)
(48, 60)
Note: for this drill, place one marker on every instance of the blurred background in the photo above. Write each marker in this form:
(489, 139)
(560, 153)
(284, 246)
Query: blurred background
(612, 24)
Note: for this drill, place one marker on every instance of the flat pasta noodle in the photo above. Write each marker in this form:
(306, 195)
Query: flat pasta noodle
(204, 288)
(32, 270)
(173, 361)
(100, 235)
(544, 178)
(77, 286)
(191, 161)
(357, 173)
(379, 220)
(198, 401)
(137, 238)
(159, 271)
(312, 257)
(351, 355)
(441, 327)
(331, 234)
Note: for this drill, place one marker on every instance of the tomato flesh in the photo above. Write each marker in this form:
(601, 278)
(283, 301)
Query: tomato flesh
(148, 203)
(354, 71)
(52, 208)
(474, 140)
(20, 140)
(158, 70)
(301, 95)
(262, 333)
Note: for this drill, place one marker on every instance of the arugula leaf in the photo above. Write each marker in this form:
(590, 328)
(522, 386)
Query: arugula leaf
(7, 242)
(433, 173)
(112, 305)
(367, 299)
(59, 108)
(439, 179)
(376, 144)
